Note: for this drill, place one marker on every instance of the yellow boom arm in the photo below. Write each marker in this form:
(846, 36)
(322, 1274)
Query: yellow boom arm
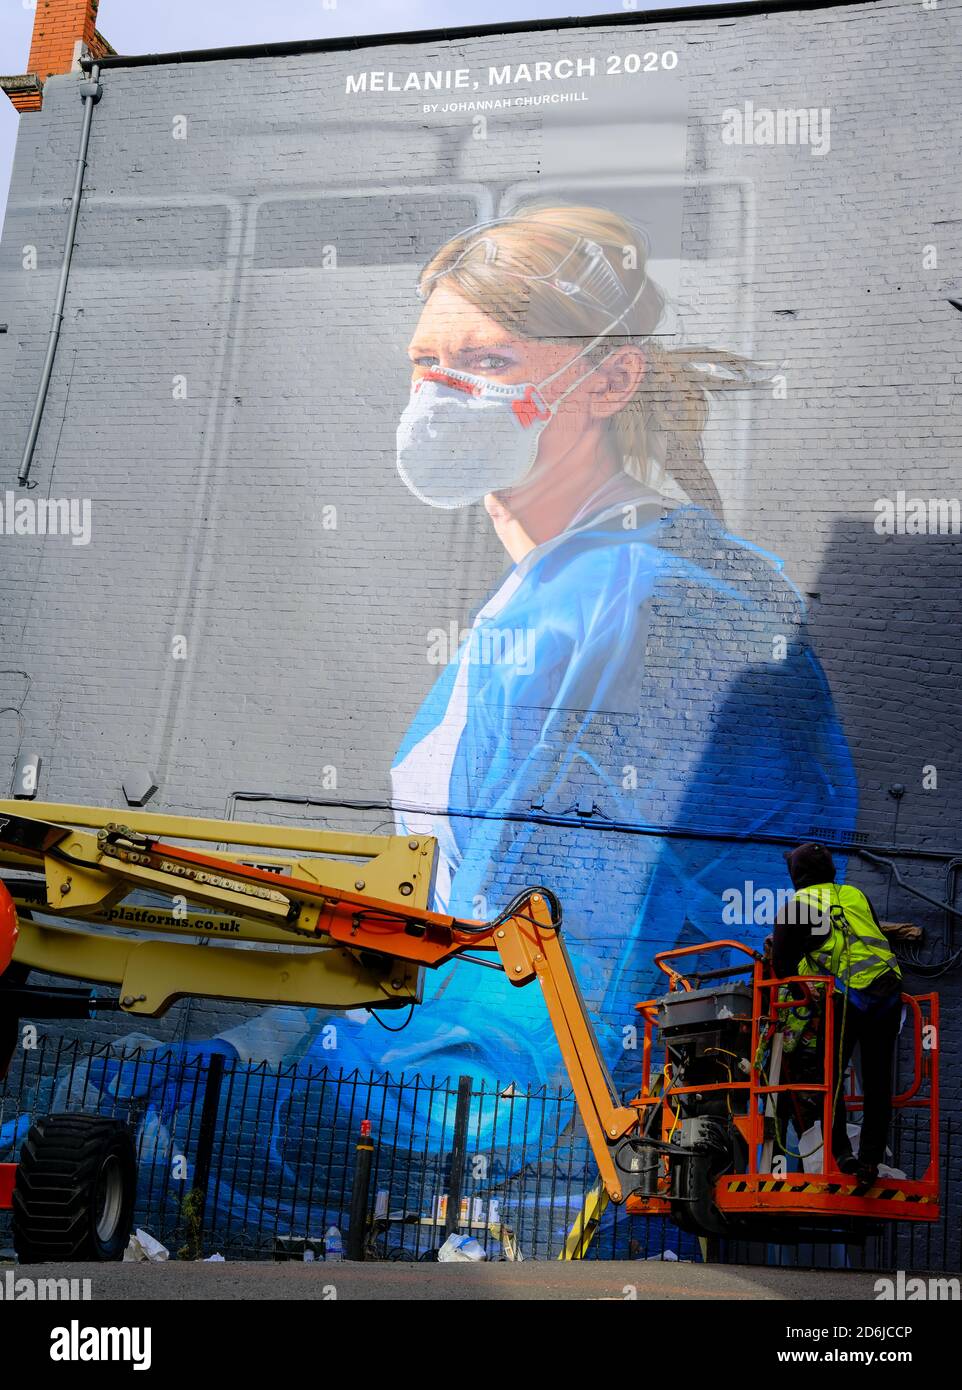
(295, 916)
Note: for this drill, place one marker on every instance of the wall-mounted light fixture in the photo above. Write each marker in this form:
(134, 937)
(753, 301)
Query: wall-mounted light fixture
(139, 785)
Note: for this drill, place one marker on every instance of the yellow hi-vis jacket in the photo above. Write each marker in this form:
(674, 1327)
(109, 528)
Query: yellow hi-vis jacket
(854, 951)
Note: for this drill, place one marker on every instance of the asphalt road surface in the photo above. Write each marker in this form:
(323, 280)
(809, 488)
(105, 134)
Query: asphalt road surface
(578, 1280)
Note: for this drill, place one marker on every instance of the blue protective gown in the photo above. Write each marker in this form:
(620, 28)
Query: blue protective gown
(669, 687)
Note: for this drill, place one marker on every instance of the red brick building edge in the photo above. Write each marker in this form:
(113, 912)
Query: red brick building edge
(63, 31)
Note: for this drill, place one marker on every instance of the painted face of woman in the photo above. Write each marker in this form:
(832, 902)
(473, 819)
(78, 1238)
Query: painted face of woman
(464, 435)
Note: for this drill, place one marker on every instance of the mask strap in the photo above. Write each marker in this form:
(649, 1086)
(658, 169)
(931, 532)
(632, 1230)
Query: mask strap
(588, 348)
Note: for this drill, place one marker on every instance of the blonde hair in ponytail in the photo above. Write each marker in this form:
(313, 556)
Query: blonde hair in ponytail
(509, 269)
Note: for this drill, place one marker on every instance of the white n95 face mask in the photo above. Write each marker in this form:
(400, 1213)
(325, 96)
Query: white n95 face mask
(463, 436)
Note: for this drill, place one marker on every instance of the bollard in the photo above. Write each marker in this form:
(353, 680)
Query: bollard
(196, 1203)
(357, 1221)
(459, 1157)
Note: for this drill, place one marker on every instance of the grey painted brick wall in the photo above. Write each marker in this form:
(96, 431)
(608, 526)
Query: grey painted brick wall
(307, 646)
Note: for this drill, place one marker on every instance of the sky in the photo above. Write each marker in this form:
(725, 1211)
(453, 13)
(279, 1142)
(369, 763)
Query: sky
(134, 27)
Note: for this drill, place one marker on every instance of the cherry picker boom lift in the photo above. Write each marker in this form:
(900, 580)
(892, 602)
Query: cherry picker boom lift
(340, 920)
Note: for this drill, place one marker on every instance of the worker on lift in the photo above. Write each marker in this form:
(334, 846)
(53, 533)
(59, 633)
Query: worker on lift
(832, 930)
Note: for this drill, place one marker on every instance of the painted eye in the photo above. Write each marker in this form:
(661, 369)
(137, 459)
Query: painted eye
(492, 362)
(425, 361)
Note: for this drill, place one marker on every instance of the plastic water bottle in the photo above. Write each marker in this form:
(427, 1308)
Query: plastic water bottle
(333, 1245)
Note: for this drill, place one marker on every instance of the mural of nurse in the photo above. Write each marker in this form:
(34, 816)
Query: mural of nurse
(634, 710)
(633, 718)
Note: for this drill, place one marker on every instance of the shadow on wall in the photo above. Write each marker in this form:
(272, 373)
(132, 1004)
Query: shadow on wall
(864, 696)
(886, 624)
(874, 664)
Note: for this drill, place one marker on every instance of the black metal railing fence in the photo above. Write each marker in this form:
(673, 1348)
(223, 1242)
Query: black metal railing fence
(258, 1161)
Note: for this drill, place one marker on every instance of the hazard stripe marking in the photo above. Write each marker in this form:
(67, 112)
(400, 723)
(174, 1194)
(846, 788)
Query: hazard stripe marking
(834, 1189)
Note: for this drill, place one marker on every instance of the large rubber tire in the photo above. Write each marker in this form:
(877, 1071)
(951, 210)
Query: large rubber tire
(75, 1190)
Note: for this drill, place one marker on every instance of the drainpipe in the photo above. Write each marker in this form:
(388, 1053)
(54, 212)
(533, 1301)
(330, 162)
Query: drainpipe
(90, 92)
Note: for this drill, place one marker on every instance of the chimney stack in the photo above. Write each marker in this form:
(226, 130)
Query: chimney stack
(64, 31)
